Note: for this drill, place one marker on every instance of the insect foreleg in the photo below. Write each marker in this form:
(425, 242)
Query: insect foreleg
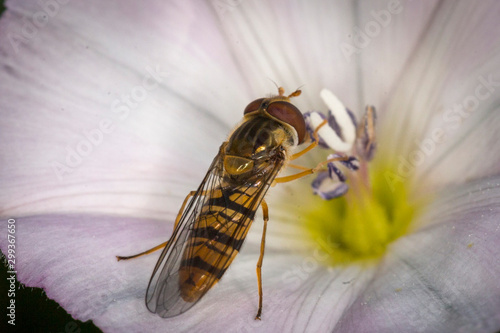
(313, 144)
(300, 167)
(265, 213)
(162, 245)
(306, 171)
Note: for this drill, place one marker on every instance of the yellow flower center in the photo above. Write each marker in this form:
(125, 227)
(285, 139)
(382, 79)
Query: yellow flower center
(360, 225)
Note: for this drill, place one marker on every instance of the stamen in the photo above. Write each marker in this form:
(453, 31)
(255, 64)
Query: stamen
(351, 162)
(369, 213)
(327, 133)
(341, 115)
(340, 134)
(336, 127)
(310, 129)
(366, 142)
(327, 188)
(335, 172)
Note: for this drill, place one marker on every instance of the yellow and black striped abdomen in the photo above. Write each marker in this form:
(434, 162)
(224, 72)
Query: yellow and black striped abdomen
(216, 237)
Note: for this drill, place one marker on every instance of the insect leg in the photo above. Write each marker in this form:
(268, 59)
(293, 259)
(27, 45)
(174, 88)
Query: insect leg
(265, 212)
(312, 145)
(162, 245)
(156, 248)
(307, 171)
(295, 166)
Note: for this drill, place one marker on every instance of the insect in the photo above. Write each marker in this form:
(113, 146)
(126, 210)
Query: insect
(214, 220)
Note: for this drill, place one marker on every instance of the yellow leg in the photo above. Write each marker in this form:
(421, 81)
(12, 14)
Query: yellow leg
(307, 171)
(312, 145)
(295, 166)
(156, 248)
(162, 245)
(265, 212)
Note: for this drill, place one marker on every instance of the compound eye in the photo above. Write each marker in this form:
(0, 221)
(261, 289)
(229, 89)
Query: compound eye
(288, 113)
(254, 106)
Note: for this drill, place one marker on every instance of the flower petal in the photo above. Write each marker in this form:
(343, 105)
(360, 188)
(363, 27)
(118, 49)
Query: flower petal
(288, 42)
(73, 259)
(442, 120)
(443, 278)
(265, 42)
(108, 122)
(386, 35)
(413, 288)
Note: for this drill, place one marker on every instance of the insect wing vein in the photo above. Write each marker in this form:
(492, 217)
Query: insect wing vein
(222, 237)
(163, 294)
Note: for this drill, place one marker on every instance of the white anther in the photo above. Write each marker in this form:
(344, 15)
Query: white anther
(328, 134)
(343, 119)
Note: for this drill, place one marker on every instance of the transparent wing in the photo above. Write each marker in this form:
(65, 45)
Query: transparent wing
(163, 295)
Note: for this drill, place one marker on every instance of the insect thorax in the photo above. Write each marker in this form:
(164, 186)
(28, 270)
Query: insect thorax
(256, 146)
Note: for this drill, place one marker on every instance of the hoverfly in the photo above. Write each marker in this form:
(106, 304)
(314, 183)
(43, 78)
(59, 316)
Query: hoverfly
(210, 230)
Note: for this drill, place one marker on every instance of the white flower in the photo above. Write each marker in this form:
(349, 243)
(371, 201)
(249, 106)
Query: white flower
(112, 111)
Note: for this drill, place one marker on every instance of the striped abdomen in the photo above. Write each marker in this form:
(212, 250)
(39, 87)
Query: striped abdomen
(217, 236)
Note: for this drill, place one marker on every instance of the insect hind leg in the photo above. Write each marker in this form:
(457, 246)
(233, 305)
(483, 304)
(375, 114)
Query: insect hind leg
(156, 248)
(265, 213)
(162, 245)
